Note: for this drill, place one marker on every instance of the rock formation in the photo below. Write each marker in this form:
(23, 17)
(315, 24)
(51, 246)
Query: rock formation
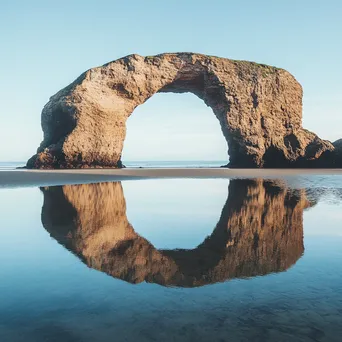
(259, 108)
(337, 159)
(260, 231)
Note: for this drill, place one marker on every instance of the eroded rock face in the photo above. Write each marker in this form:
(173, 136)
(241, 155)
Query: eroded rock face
(259, 108)
(260, 231)
(337, 160)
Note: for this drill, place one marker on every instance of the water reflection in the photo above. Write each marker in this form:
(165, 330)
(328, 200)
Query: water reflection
(260, 231)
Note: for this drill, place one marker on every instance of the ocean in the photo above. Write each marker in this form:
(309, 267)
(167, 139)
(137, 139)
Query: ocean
(172, 260)
(146, 164)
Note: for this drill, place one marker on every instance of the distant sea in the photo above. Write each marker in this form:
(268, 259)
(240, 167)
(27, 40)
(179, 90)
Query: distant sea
(145, 164)
(10, 165)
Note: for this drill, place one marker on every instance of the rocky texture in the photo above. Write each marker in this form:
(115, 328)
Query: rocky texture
(338, 144)
(337, 159)
(259, 108)
(260, 231)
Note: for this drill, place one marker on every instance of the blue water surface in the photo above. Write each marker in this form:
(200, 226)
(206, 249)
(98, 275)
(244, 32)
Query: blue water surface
(52, 289)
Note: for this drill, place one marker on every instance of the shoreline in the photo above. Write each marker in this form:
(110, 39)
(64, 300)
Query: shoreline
(38, 178)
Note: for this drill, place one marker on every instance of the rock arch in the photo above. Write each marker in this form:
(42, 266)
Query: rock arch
(259, 108)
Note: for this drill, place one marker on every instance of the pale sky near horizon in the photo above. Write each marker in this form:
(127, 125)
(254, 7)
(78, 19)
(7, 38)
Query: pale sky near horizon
(46, 44)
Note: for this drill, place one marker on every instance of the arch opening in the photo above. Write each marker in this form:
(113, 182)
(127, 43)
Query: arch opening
(174, 129)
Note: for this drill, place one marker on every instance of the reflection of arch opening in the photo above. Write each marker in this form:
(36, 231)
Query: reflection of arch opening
(174, 128)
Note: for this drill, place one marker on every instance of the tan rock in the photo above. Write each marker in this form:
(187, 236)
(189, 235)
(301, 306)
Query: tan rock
(259, 108)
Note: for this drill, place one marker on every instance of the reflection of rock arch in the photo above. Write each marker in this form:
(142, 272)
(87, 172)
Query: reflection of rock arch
(259, 108)
(260, 231)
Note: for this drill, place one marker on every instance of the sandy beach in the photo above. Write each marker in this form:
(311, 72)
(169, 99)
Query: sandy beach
(28, 178)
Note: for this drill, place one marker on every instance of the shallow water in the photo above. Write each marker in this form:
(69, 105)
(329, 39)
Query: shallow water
(173, 260)
(145, 164)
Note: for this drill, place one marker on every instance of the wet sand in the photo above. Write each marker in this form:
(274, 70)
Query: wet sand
(24, 178)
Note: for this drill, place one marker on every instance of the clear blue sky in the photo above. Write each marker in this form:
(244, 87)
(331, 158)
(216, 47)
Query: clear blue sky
(46, 44)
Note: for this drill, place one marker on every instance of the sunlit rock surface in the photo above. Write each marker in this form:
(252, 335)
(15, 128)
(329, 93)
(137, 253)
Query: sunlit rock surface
(259, 231)
(259, 108)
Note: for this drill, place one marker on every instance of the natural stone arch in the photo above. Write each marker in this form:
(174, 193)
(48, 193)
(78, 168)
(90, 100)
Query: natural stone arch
(259, 109)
